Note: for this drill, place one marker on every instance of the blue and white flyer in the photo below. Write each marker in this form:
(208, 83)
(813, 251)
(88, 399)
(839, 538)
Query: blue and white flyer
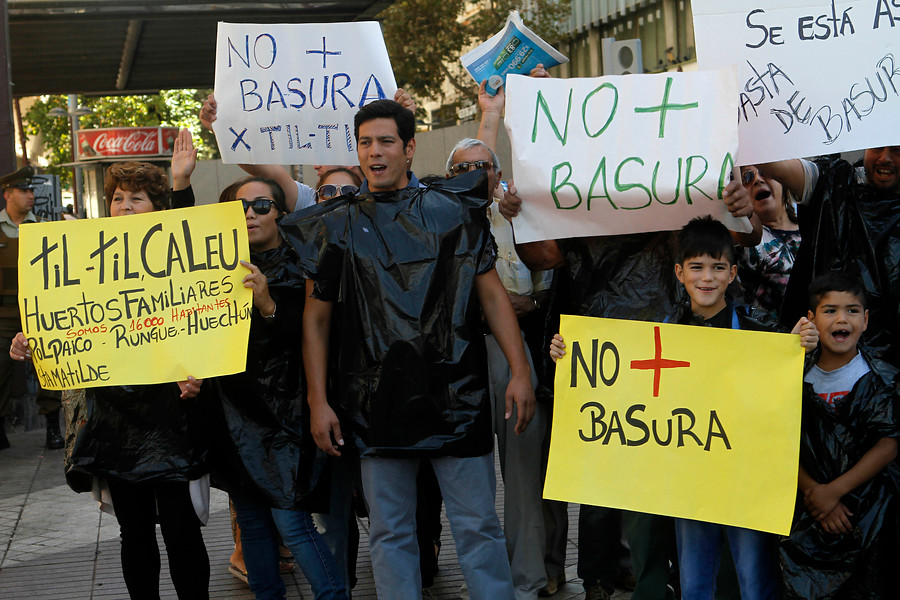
(515, 49)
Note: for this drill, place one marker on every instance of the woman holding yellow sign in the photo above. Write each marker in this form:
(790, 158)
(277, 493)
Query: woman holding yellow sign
(137, 448)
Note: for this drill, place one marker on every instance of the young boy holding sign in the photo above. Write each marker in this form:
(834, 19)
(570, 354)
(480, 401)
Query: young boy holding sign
(843, 542)
(706, 267)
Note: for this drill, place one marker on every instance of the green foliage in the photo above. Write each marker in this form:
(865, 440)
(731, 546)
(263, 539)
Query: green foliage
(425, 39)
(172, 108)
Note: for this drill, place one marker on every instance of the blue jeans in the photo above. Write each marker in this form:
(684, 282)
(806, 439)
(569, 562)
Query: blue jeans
(334, 526)
(699, 550)
(258, 525)
(468, 486)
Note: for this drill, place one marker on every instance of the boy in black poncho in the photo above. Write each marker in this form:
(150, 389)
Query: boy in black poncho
(842, 542)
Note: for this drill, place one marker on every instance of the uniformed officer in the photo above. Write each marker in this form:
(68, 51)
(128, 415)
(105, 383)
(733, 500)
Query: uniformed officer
(18, 192)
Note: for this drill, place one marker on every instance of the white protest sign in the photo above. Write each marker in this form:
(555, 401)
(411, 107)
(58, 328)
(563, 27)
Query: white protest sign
(621, 154)
(287, 94)
(814, 76)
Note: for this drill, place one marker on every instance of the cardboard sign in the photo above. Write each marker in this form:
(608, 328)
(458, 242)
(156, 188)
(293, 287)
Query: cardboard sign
(626, 154)
(814, 76)
(287, 94)
(150, 298)
(678, 420)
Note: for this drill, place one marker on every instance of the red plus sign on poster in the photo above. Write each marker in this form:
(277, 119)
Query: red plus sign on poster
(658, 363)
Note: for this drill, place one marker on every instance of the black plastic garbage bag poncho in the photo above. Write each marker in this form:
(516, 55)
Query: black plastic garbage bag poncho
(410, 372)
(817, 564)
(854, 227)
(622, 276)
(135, 434)
(261, 448)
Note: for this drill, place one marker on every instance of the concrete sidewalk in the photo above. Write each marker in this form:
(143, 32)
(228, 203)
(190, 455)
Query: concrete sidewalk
(56, 544)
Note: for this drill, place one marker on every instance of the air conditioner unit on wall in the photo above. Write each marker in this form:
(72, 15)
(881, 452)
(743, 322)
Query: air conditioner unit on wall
(621, 58)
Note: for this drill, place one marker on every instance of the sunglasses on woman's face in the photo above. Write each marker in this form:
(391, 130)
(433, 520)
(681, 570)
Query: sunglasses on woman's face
(329, 190)
(260, 206)
(749, 176)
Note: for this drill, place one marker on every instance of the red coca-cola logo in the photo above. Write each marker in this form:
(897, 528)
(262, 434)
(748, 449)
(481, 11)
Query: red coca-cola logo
(126, 141)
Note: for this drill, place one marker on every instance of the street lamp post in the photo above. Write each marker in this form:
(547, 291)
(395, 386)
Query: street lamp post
(74, 113)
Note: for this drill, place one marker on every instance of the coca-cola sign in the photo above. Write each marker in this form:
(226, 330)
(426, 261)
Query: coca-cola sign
(125, 141)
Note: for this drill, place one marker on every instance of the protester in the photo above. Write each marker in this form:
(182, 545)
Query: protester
(337, 181)
(410, 379)
(764, 269)
(139, 448)
(337, 526)
(854, 225)
(625, 277)
(706, 267)
(844, 538)
(263, 453)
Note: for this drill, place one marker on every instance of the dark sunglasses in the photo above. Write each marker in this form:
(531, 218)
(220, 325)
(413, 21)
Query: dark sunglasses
(329, 190)
(260, 206)
(468, 166)
(749, 176)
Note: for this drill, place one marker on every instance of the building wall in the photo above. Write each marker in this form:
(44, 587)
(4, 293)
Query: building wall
(665, 28)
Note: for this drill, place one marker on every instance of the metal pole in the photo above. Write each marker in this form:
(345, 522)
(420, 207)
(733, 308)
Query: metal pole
(73, 123)
(7, 130)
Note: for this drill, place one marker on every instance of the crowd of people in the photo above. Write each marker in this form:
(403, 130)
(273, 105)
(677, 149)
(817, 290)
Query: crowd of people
(398, 329)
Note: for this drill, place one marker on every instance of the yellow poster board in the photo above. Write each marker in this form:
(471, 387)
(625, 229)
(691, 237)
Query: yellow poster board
(150, 298)
(678, 420)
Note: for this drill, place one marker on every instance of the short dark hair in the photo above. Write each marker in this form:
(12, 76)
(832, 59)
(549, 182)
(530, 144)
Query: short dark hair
(387, 109)
(704, 236)
(835, 281)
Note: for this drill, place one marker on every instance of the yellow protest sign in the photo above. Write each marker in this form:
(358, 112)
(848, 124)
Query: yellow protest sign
(146, 299)
(678, 420)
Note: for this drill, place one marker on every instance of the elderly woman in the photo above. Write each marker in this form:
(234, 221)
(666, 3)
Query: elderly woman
(263, 454)
(137, 447)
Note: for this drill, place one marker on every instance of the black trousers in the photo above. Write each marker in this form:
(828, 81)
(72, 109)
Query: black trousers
(137, 506)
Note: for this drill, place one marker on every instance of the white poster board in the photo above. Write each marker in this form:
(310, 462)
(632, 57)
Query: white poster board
(287, 94)
(814, 76)
(620, 154)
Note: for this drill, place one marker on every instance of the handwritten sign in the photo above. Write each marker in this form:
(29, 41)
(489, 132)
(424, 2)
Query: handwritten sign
(678, 420)
(145, 299)
(287, 94)
(612, 155)
(815, 76)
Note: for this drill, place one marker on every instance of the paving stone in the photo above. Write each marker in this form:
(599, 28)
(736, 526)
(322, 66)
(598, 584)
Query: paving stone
(56, 544)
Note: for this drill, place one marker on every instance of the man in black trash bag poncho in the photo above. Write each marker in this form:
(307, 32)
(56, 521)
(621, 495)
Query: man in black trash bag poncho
(404, 271)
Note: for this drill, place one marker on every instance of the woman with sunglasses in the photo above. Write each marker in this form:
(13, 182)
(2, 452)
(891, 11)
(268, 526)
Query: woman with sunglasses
(138, 448)
(339, 181)
(764, 270)
(262, 454)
